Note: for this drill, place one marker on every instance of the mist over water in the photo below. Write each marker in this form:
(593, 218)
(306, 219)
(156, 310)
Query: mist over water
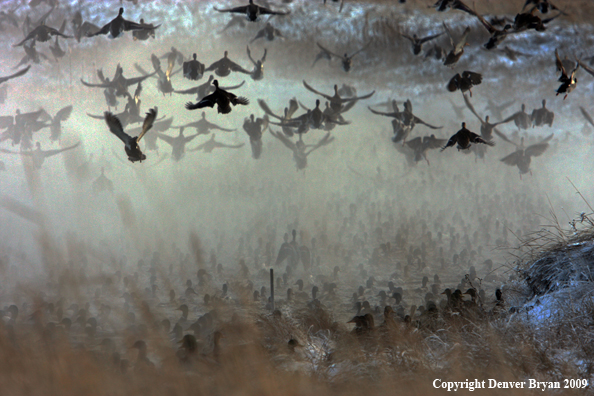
(356, 194)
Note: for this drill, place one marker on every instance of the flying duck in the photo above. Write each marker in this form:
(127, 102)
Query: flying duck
(252, 11)
(131, 143)
(464, 138)
(219, 97)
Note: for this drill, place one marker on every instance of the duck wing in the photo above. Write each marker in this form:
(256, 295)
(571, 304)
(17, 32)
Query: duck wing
(454, 83)
(536, 149)
(293, 107)
(512, 159)
(559, 64)
(240, 100)
(587, 116)
(415, 143)
(326, 140)
(17, 74)
(475, 78)
(432, 142)
(166, 138)
(328, 51)
(429, 38)
(149, 120)
(267, 110)
(103, 30)
(393, 114)
(462, 42)
(230, 87)
(419, 121)
(266, 11)
(63, 114)
(50, 153)
(310, 88)
(364, 47)
(586, 68)
(103, 85)
(471, 108)
(505, 138)
(241, 9)
(129, 25)
(451, 142)
(115, 127)
(207, 101)
(284, 140)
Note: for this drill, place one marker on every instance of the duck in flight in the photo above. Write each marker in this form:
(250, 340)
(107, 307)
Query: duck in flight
(178, 144)
(212, 144)
(346, 59)
(131, 143)
(203, 126)
(463, 138)
(252, 11)
(38, 155)
(117, 26)
(221, 98)
(522, 157)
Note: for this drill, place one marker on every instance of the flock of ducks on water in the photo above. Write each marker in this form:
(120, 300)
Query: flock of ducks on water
(395, 309)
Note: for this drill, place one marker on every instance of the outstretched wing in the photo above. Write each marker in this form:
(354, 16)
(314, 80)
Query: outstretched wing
(242, 9)
(17, 74)
(115, 126)
(328, 51)
(512, 159)
(587, 116)
(64, 113)
(50, 153)
(419, 121)
(536, 149)
(471, 108)
(326, 140)
(307, 86)
(149, 120)
(286, 141)
(505, 138)
(266, 109)
(166, 138)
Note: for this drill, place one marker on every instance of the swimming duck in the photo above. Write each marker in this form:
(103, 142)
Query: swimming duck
(148, 31)
(568, 81)
(542, 116)
(300, 149)
(269, 32)
(464, 82)
(258, 72)
(420, 146)
(464, 138)
(457, 47)
(252, 11)
(255, 128)
(287, 115)
(15, 75)
(38, 155)
(131, 143)
(219, 97)
(224, 66)
(41, 33)
(417, 43)
(523, 155)
(346, 59)
(178, 144)
(203, 126)
(193, 69)
(117, 26)
(211, 144)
